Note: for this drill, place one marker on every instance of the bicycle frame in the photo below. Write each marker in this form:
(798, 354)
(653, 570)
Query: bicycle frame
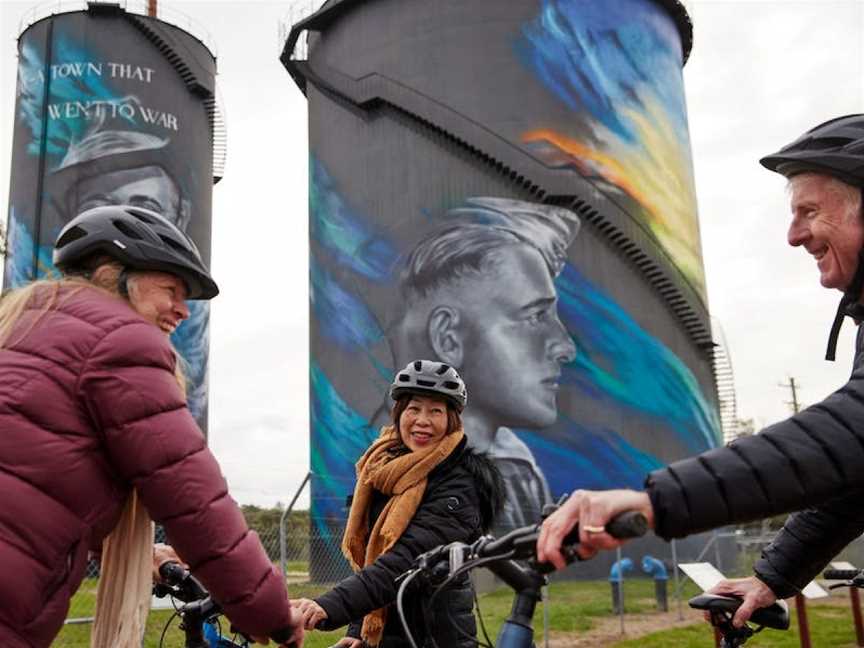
(500, 556)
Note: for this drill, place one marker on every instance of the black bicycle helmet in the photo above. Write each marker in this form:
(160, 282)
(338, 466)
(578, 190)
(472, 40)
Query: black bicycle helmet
(835, 148)
(139, 239)
(433, 378)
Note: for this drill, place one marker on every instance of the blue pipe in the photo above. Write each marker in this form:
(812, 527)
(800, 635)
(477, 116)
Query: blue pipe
(623, 565)
(655, 568)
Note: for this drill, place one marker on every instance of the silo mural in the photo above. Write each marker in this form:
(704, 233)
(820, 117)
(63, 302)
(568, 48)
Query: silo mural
(508, 188)
(113, 108)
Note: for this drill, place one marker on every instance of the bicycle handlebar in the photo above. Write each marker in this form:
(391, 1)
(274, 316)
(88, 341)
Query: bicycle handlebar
(523, 541)
(841, 574)
(447, 562)
(182, 585)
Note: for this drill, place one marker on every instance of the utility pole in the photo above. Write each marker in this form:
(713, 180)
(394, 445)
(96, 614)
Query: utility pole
(796, 407)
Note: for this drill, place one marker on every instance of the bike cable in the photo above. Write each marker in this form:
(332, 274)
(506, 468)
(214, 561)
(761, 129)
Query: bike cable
(399, 607)
(480, 618)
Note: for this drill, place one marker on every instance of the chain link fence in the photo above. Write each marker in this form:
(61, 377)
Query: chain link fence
(306, 546)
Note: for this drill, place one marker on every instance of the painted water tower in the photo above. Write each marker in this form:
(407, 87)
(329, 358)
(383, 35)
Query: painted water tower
(506, 187)
(115, 107)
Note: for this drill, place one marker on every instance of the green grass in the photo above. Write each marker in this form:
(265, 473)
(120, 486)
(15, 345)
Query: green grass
(830, 625)
(575, 608)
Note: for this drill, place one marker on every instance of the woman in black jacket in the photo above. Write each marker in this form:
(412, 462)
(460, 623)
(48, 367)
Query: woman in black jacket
(418, 486)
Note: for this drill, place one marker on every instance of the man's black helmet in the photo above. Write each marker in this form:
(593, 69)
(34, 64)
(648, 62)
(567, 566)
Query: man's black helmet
(432, 378)
(137, 238)
(835, 148)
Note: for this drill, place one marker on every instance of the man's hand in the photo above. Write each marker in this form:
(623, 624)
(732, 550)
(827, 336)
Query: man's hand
(163, 553)
(753, 592)
(311, 612)
(592, 510)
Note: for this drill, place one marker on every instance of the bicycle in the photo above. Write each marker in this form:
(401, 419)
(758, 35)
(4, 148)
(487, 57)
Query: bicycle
(723, 608)
(441, 566)
(199, 614)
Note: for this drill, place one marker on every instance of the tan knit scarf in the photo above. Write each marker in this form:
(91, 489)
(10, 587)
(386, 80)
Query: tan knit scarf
(125, 580)
(402, 477)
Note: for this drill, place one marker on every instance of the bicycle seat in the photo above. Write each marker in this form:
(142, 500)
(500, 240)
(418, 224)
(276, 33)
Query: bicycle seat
(774, 616)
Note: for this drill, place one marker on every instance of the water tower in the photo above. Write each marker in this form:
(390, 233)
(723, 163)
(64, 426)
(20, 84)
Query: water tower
(115, 107)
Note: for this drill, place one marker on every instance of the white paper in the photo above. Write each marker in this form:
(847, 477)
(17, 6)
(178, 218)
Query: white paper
(814, 591)
(842, 564)
(704, 574)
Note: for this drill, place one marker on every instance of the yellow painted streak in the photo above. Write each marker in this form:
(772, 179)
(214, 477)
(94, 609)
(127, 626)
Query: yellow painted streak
(660, 181)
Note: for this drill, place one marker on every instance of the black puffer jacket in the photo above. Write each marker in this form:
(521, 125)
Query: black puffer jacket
(463, 495)
(813, 459)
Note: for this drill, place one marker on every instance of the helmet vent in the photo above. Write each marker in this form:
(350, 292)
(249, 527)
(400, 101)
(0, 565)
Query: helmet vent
(443, 369)
(69, 236)
(174, 245)
(829, 143)
(141, 216)
(425, 383)
(127, 230)
(449, 384)
(418, 365)
(404, 378)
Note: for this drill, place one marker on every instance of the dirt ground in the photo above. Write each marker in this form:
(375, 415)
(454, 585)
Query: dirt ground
(608, 631)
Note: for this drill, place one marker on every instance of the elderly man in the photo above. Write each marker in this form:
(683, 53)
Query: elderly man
(813, 459)
(478, 294)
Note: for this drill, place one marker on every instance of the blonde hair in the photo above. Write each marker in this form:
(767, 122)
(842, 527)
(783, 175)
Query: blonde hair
(105, 277)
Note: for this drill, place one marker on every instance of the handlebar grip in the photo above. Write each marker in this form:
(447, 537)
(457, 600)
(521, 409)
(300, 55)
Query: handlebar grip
(172, 572)
(630, 524)
(840, 574)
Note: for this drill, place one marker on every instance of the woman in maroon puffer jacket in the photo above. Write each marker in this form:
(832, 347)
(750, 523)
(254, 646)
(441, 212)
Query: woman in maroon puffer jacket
(90, 409)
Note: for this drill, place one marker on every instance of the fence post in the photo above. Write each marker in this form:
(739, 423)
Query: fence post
(803, 626)
(856, 615)
(282, 539)
(677, 580)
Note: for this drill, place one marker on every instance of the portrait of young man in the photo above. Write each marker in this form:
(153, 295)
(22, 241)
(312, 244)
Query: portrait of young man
(478, 294)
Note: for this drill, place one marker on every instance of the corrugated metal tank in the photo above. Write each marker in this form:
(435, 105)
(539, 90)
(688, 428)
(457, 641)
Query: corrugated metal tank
(506, 187)
(114, 107)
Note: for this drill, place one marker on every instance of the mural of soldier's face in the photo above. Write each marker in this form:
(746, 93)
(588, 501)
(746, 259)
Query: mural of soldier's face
(514, 344)
(148, 187)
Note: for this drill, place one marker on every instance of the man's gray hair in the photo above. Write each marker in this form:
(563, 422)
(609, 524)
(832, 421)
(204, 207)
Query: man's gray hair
(465, 244)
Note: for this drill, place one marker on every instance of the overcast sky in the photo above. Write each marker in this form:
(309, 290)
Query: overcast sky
(761, 72)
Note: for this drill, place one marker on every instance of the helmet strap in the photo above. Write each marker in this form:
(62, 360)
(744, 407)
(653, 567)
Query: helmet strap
(847, 303)
(831, 351)
(123, 283)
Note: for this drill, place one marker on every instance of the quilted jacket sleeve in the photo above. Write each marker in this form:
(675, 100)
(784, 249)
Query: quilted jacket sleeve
(449, 514)
(130, 392)
(804, 461)
(808, 542)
